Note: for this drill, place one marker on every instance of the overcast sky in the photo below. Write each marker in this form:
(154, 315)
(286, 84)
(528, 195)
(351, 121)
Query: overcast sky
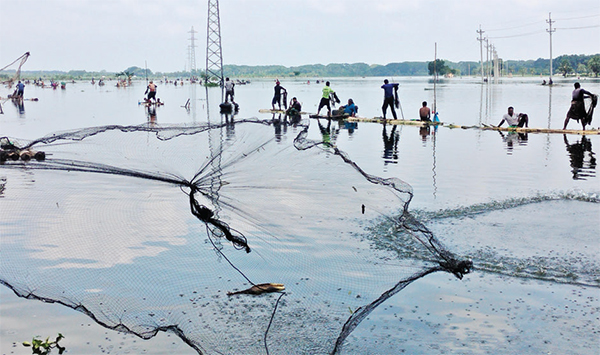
(113, 35)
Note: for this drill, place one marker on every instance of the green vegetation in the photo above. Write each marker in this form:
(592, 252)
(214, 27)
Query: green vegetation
(565, 67)
(39, 347)
(593, 64)
(441, 68)
(566, 64)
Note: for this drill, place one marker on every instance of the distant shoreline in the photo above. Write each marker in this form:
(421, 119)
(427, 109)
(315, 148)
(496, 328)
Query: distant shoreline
(578, 65)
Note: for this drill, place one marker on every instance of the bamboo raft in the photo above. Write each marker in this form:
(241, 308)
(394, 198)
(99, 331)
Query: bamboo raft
(23, 154)
(593, 131)
(264, 110)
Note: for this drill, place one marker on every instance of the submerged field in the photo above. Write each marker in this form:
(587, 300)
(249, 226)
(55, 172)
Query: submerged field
(106, 225)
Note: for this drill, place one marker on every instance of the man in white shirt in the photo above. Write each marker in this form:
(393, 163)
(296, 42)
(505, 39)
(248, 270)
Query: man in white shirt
(229, 89)
(514, 120)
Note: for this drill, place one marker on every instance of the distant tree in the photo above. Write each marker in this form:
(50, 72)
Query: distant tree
(581, 68)
(593, 64)
(565, 67)
(438, 66)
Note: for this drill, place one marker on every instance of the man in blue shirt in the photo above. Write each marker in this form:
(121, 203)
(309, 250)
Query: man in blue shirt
(388, 99)
(351, 108)
(20, 89)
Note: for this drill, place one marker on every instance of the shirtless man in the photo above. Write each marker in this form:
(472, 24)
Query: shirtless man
(577, 110)
(425, 112)
(151, 91)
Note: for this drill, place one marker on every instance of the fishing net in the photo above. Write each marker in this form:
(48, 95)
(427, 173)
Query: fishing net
(13, 71)
(147, 229)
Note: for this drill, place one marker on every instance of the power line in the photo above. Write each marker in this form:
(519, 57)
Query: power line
(577, 28)
(520, 26)
(577, 18)
(519, 35)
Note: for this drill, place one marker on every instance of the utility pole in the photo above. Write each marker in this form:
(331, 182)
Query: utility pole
(550, 30)
(496, 65)
(480, 39)
(487, 59)
(192, 54)
(214, 56)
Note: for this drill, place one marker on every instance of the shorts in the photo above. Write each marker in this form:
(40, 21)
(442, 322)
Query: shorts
(324, 102)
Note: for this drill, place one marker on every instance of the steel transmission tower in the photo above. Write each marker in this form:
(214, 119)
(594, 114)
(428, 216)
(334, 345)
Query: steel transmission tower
(214, 57)
(192, 53)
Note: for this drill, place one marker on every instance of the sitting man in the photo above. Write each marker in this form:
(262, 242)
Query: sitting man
(513, 120)
(347, 110)
(425, 112)
(295, 108)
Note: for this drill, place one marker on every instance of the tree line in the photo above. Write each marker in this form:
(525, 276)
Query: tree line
(563, 65)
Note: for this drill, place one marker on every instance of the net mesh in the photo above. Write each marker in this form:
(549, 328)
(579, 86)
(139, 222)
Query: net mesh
(148, 229)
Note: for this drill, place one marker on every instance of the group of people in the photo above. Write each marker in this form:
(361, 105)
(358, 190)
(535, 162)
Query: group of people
(577, 110)
(330, 97)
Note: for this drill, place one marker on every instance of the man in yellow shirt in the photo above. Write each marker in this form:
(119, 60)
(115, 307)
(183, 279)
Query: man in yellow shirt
(327, 91)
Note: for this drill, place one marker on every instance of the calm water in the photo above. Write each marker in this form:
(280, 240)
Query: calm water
(524, 208)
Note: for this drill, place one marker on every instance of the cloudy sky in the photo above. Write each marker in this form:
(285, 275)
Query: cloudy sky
(112, 35)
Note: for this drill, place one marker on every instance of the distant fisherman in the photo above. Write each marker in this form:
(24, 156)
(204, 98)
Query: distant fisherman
(229, 89)
(151, 91)
(277, 97)
(388, 99)
(513, 120)
(20, 89)
(577, 110)
(425, 112)
(325, 98)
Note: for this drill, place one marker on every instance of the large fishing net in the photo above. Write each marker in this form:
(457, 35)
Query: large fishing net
(147, 229)
(11, 73)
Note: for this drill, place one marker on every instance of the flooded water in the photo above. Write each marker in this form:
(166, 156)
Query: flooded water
(105, 227)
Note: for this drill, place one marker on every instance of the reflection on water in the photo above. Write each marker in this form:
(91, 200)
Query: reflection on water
(513, 139)
(173, 245)
(424, 132)
(151, 113)
(20, 105)
(390, 145)
(329, 132)
(279, 126)
(229, 125)
(583, 161)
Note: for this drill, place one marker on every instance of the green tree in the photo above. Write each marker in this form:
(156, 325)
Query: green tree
(565, 67)
(438, 66)
(582, 68)
(593, 64)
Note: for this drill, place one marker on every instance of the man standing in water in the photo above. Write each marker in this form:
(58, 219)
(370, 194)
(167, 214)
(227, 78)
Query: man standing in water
(388, 99)
(577, 110)
(425, 112)
(229, 90)
(20, 89)
(151, 91)
(327, 92)
(277, 97)
(513, 120)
